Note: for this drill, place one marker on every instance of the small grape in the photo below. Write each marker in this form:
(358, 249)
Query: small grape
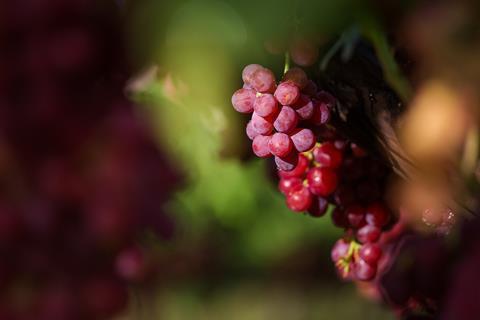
(261, 125)
(355, 216)
(327, 155)
(321, 113)
(368, 234)
(339, 218)
(260, 146)
(263, 80)
(286, 120)
(371, 253)
(299, 170)
(363, 271)
(280, 144)
(287, 184)
(357, 151)
(326, 99)
(288, 163)
(304, 52)
(319, 207)
(322, 181)
(296, 76)
(303, 139)
(265, 105)
(339, 250)
(310, 89)
(251, 133)
(287, 93)
(248, 71)
(243, 100)
(377, 215)
(130, 264)
(299, 199)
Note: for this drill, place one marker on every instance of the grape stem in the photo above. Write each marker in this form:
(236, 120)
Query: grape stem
(287, 62)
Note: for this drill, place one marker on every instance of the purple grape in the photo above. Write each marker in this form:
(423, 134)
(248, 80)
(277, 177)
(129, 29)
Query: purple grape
(356, 216)
(296, 76)
(287, 93)
(286, 120)
(321, 113)
(319, 207)
(280, 144)
(251, 133)
(339, 250)
(243, 100)
(248, 71)
(303, 139)
(371, 253)
(260, 146)
(304, 107)
(363, 271)
(261, 125)
(288, 163)
(368, 234)
(263, 80)
(265, 105)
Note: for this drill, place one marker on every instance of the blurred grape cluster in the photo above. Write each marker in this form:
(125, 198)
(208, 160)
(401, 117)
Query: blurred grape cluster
(81, 179)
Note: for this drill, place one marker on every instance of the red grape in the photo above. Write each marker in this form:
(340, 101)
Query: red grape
(261, 125)
(377, 215)
(299, 199)
(296, 76)
(355, 216)
(243, 100)
(285, 185)
(260, 146)
(319, 207)
(299, 170)
(287, 93)
(368, 234)
(363, 271)
(280, 144)
(303, 139)
(340, 250)
(327, 155)
(263, 80)
(288, 163)
(265, 105)
(371, 253)
(286, 120)
(248, 71)
(251, 133)
(322, 181)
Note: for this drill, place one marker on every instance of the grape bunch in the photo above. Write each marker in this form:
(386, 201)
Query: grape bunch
(281, 114)
(81, 177)
(318, 167)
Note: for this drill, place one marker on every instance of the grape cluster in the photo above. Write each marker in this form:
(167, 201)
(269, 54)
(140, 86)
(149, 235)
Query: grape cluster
(281, 114)
(80, 175)
(287, 120)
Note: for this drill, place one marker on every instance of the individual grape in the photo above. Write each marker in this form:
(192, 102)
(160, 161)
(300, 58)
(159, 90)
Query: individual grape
(368, 234)
(299, 199)
(300, 169)
(319, 207)
(322, 181)
(265, 105)
(303, 139)
(263, 80)
(339, 218)
(243, 100)
(248, 71)
(288, 163)
(355, 216)
(296, 76)
(326, 99)
(260, 146)
(251, 133)
(363, 271)
(310, 89)
(287, 93)
(321, 113)
(340, 144)
(304, 107)
(280, 144)
(377, 215)
(340, 249)
(327, 155)
(261, 125)
(370, 253)
(286, 120)
(285, 185)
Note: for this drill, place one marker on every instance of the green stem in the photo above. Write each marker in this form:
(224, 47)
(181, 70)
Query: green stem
(287, 62)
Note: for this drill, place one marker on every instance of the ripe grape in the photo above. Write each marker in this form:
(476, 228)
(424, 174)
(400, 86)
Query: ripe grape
(265, 105)
(339, 218)
(248, 71)
(263, 80)
(368, 234)
(287, 93)
(377, 215)
(321, 113)
(304, 107)
(327, 155)
(355, 216)
(300, 169)
(260, 146)
(261, 125)
(339, 250)
(371, 253)
(319, 207)
(322, 181)
(251, 133)
(286, 185)
(286, 120)
(287, 163)
(280, 144)
(243, 100)
(363, 271)
(299, 198)
(303, 139)
(296, 76)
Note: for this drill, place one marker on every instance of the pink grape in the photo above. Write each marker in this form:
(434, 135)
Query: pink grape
(296, 76)
(339, 250)
(260, 146)
(263, 80)
(287, 184)
(287, 93)
(303, 139)
(304, 107)
(322, 181)
(299, 198)
(299, 170)
(321, 113)
(261, 125)
(286, 120)
(280, 144)
(251, 132)
(371, 253)
(265, 105)
(363, 271)
(243, 100)
(288, 163)
(248, 71)
(368, 234)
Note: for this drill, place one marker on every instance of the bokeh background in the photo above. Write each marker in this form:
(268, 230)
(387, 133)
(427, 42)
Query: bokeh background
(118, 136)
